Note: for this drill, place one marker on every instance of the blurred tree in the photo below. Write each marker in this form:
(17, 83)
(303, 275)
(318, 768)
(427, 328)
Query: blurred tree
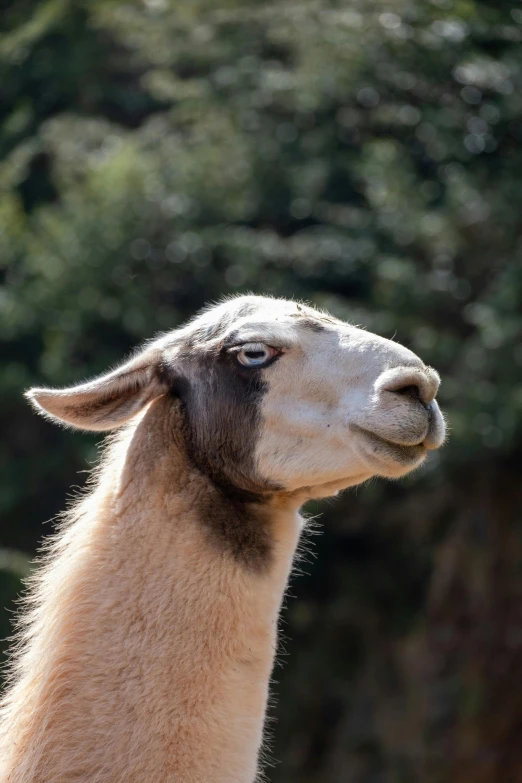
(365, 156)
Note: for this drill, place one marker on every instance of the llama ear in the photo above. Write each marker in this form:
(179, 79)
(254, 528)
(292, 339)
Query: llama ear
(106, 402)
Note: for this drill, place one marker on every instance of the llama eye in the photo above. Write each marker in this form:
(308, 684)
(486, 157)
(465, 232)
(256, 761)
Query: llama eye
(255, 354)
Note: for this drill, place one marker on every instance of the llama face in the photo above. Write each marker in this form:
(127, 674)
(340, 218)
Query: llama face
(309, 401)
(342, 405)
(323, 402)
(276, 397)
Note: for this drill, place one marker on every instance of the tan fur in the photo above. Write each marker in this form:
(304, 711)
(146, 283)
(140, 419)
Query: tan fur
(152, 647)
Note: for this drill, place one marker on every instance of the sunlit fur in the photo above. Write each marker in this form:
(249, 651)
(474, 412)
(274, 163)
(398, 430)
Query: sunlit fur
(144, 649)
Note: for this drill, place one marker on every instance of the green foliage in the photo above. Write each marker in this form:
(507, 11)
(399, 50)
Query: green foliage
(365, 156)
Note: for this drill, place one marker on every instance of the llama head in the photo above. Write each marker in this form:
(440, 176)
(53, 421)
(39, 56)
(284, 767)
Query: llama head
(276, 397)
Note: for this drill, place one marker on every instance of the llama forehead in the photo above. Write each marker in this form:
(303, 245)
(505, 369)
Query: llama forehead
(279, 323)
(251, 317)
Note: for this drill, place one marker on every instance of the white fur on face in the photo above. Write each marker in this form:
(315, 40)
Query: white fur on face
(341, 404)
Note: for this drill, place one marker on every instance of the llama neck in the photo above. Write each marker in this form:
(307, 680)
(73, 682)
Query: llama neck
(154, 639)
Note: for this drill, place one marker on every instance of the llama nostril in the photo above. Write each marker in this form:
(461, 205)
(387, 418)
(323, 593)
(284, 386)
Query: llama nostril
(411, 390)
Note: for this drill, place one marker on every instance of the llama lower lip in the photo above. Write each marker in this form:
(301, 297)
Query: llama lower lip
(381, 449)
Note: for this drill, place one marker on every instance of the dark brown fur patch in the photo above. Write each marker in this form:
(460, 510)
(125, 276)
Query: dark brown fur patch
(238, 527)
(236, 522)
(221, 409)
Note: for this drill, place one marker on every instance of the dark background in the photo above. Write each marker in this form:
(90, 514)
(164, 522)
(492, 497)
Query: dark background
(365, 157)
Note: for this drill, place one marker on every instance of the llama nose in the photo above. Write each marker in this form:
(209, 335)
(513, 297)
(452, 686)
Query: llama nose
(411, 382)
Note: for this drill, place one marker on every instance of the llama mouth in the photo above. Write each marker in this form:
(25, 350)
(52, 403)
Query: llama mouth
(383, 451)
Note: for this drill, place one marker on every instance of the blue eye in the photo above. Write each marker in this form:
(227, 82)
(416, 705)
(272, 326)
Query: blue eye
(255, 354)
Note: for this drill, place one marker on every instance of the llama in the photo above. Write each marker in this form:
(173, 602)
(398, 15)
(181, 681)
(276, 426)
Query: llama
(146, 647)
